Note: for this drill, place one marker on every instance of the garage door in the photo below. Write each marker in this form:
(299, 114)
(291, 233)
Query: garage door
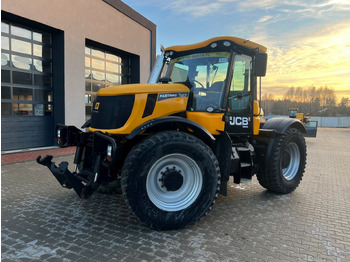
(26, 87)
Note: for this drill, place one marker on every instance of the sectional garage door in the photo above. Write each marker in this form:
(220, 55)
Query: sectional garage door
(26, 87)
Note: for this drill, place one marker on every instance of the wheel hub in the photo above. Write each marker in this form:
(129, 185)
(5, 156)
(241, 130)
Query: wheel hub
(290, 161)
(171, 179)
(174, 182)
(286, 159)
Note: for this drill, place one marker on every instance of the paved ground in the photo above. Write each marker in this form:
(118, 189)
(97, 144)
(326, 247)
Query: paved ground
(9, 158)
(42, 221)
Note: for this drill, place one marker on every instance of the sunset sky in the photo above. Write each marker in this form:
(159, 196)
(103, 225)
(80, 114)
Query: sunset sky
(308, 41)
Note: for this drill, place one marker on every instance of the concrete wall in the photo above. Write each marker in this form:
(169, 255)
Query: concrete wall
(332, 121)
(325, 121)
(86, 19)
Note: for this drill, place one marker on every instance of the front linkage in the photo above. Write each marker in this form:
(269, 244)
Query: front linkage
(94, 157)
(68, 179)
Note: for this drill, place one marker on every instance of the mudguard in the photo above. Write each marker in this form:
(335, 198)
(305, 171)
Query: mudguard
(268, 133)
(175, 121)
(281, 124)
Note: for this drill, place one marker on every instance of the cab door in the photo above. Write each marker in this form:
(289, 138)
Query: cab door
(239, 104)
(311, 129)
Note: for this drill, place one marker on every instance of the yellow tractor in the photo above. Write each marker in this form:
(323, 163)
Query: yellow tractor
(310, 126)
(174, 143)
(293, 113)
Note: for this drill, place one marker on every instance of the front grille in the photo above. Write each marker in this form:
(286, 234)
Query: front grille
(111, 112)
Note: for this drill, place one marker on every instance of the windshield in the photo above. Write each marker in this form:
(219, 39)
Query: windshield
(204, 73)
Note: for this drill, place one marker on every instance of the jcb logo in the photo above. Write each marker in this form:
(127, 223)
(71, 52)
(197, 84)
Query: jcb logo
(239, 121)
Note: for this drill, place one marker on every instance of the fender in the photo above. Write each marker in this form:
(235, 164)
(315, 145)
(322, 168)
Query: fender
(273, 128)
(160, 122)
(281, 124)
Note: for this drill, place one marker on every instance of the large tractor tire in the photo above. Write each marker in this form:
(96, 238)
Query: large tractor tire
(284, 170)
(112, 187)
(170, 180)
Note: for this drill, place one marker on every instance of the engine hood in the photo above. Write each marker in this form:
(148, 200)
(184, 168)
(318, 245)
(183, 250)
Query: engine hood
(141, 89)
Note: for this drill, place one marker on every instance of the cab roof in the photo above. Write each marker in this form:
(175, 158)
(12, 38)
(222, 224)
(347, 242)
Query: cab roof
(237, 40)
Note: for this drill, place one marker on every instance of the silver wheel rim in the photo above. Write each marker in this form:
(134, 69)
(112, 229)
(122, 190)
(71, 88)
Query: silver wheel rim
(291, 170)
(182, 197)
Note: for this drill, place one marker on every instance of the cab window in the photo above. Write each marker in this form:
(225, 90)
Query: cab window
(241, 73)
(204, 74)
(179, 73)
(239, 95)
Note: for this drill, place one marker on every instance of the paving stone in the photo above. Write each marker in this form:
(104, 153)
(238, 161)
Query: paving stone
(32, 155)
(42, 221)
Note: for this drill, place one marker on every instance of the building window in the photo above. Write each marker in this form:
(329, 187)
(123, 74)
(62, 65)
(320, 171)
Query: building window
(26, 71)
(103, 69)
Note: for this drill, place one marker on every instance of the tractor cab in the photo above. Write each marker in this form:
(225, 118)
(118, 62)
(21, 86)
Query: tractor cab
(293, 112)
(221, 77)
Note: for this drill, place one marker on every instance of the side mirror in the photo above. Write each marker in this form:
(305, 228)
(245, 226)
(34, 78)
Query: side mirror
(260, 64)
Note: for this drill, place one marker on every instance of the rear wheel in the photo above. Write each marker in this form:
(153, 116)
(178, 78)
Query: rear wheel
(170, 180)
(284, 170)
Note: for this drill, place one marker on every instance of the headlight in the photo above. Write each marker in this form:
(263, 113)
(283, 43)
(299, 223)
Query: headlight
(109, 151)
(59, 133)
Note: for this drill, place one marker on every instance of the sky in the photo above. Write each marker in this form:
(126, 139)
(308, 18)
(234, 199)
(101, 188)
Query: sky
(308, 41)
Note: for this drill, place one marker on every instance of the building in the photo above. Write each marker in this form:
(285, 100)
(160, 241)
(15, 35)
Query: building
(55, 56)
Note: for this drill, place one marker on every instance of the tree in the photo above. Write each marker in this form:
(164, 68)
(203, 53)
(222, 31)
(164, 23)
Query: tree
(267, 103)
(343, 107)
(344, 101)
(319, 101)
(289, 95)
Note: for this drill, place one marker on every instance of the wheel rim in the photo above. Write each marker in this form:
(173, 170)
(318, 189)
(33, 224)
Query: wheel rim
(174, 182)
(290, 161)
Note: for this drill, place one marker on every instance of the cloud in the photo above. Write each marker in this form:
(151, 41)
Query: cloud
(308, 41)
(265, 18)
(320, 59)
(307, 44)
(195, 8)
(296, 6)
(342, 93)
(262, 4)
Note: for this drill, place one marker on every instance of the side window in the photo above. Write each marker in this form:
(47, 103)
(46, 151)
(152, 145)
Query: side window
(239, 94)
(179, 73)
(241, 73)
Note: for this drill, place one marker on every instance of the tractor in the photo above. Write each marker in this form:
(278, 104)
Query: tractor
(174, 143)
(310, 126)
(293, 113)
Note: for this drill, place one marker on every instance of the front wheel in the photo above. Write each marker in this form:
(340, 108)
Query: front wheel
(284, 170)
(170, 180)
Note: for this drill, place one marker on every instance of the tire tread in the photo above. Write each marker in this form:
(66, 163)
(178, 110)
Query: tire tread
(140, 150)
(270, 178)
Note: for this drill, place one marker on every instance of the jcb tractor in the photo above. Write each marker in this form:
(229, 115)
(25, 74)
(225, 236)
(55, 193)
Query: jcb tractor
(310, 126)
(174, 142)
